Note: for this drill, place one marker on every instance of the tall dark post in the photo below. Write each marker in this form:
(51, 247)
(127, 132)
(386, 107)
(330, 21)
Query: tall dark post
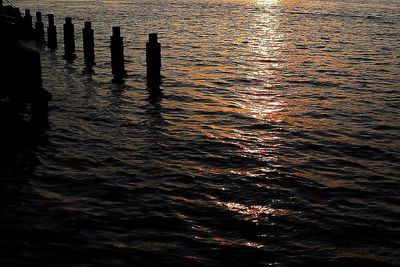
(117, 55)
(27, 25)
(153, 61)
(69, 39)
(88, 43)
(39, 28)
(40, 96)
(19, 22)
(28, 18)
(51, 33)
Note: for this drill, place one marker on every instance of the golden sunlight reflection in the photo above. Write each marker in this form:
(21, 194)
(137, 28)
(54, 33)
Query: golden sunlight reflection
(268, 2)
(267, 61)
(254, 212)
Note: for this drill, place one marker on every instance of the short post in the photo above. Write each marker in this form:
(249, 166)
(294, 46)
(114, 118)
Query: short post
(39, 28)
(153, 61)
(117, 55)
(51, 33)
(88, 43)
(69, 39)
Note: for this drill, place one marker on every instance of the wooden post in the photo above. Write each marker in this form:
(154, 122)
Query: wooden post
(51, 33)
(29, 87)
(28, 18)
(40, 96)
(19, 22)
(117, 55)
(69, 39)
(27, 27)
(88, 43)
(153, 61)
(39, 28)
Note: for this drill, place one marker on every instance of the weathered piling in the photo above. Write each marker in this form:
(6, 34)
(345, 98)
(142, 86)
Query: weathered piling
(38, 97)
(153, 61)
(39, 28)
(28, 17)
(69, 39)
(18, 22)
(117, 55)
(88, 43)
(27, 25)
(51, 33)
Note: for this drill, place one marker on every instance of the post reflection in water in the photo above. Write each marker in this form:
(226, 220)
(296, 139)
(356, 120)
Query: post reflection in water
(272, 140)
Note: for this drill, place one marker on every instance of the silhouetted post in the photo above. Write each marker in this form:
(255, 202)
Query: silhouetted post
(51, 33)
(39, 28)
(19, 22)
(153, 60)
(69, 39)
(28, 19)
(27, 24)
(1, 3)
(117, 55)
(88, 43)
(40, 96)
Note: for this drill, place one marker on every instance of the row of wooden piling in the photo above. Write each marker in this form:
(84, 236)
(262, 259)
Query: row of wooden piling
(153, 48)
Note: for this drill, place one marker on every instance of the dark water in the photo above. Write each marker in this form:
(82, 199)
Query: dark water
(276, 140)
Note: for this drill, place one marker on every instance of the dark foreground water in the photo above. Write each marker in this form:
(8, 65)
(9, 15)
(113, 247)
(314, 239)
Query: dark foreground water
(276, 140)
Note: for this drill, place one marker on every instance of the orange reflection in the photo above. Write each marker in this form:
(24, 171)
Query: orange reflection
(253, 212)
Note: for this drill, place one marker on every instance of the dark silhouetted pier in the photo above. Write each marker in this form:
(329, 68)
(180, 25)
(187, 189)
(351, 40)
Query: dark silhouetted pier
(21, 74)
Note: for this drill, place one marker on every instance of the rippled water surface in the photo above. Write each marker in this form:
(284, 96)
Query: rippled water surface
(276, 139)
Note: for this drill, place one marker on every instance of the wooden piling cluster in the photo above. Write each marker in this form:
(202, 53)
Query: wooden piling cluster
(153, 48)
(24, 24)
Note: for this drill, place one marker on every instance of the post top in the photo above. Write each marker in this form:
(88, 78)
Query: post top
(27, 12)
(88, 24)
(39, 16)
(68, 20)
(51, 19)
(153, 38)
(116, 31)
